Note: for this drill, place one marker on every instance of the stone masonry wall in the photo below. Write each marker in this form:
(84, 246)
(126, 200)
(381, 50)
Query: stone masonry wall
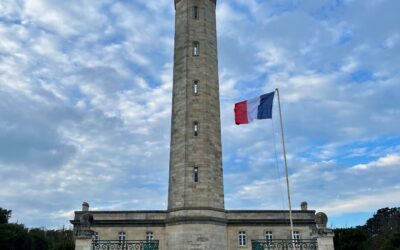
(187, 150)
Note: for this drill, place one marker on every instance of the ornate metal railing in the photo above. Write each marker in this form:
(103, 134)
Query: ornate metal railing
(276, 244)
(125, 245)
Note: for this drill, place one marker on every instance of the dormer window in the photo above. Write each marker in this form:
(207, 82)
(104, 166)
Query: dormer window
(196, 48)
(195, 12)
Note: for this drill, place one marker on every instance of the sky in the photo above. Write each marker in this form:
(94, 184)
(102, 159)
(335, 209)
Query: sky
(85, 105)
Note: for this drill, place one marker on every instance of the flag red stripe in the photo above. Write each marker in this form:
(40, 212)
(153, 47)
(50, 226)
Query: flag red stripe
(241, 113)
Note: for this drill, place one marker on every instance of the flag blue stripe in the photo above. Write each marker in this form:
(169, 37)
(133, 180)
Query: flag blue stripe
(265, 107)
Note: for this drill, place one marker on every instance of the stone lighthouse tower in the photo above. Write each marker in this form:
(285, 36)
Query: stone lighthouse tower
(196, 215)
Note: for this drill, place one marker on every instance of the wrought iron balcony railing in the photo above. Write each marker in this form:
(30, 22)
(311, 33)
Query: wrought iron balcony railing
(277, 244)
(125, 245)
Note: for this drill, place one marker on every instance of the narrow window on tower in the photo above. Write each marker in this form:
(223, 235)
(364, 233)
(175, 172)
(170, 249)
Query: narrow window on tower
(196, 48)
(195, 12)
(196, 128)
(196, 87)
(196, 174)
(242, 238)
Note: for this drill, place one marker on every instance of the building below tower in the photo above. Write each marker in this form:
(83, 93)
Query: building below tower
(227, 230)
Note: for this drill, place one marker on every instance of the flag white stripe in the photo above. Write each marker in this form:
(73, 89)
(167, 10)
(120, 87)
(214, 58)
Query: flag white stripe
(252, 108)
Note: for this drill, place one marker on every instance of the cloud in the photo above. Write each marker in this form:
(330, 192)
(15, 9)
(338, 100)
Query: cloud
(386, 161)
(85, 107)
(370, 202)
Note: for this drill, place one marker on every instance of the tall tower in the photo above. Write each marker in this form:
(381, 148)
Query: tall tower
(196, 218)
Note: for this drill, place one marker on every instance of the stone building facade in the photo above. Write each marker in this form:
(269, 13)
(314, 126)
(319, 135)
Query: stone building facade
(196, 218)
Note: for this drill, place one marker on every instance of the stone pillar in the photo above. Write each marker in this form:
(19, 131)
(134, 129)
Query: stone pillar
(83, 243)
(325, 235)
(83, 234)
(325, 242)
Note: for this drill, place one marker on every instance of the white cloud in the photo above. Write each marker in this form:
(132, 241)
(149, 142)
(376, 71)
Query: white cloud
(390, 160)
(363, 203)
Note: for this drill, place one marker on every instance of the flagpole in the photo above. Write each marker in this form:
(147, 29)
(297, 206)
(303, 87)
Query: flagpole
(286, 167)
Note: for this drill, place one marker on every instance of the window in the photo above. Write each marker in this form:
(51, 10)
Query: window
(195, 12)
(242, 238)
(268, 236)
(196, 87)
(196, 174)
(296, 236)
(196, 48)
(121, 237)
(149, 236)
(95, 236)
(196, 128)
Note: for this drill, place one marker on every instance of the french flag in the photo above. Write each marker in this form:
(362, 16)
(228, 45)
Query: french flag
(256, 108)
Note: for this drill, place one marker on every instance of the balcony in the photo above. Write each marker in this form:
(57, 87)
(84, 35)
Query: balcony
(125, 245)
(277, 244)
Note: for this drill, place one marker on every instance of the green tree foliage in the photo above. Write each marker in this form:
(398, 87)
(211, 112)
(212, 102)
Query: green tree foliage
(384, 220)
(392, 242)
(350, 239)
(14, 236)
(4, 215)
(17, 237)
(381, 232)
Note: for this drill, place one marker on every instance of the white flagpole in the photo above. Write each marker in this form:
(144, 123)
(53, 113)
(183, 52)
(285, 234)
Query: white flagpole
(286, 167)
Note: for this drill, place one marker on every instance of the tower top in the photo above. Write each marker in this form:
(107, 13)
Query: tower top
(177, 1)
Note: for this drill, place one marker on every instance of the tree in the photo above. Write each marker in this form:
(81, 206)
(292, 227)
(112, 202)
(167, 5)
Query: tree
(381, 232)
(14, 236)
(392, 242)
(17, 237)
(350, 239)
(384, 220)
(4, 215)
